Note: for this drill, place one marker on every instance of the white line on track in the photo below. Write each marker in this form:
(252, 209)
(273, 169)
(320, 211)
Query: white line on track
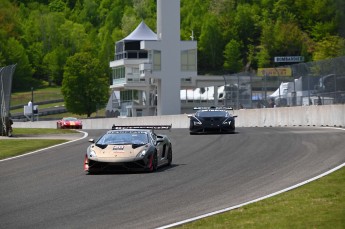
(23, 155)
(255, 200)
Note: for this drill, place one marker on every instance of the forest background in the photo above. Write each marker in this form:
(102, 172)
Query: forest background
(233, 35)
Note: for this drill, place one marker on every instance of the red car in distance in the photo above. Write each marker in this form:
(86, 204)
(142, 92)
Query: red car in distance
(69, 123)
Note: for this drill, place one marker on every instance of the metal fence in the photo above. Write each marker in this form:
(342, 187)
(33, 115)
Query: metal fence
(303, 84)
(6, 74)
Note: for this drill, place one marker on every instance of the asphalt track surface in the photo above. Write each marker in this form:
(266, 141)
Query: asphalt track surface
(49, 189)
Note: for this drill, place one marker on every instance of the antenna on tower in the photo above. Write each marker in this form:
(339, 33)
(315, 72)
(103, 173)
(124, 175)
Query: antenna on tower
(192, 37)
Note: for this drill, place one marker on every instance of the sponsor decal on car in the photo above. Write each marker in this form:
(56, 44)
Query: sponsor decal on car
(118, 147)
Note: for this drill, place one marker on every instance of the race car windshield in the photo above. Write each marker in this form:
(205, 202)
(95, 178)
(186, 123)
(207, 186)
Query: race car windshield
(123, 139)
(70, 119)
(213, 114)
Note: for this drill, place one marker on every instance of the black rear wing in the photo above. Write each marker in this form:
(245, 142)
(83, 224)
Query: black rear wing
(213, 108)
(151, 127)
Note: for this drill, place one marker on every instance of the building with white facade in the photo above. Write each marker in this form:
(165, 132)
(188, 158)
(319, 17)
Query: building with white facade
(150, 68)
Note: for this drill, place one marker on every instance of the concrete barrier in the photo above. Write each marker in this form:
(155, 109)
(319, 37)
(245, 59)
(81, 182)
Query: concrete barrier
(325, 115)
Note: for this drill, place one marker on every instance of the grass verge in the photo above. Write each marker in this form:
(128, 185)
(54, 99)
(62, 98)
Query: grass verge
(42, 94)
(40, 131)
(319, 204)
(15, 147)
(43, 106)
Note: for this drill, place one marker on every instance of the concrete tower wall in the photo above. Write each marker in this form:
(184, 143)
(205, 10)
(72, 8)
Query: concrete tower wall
(168, 20)
(168, 31)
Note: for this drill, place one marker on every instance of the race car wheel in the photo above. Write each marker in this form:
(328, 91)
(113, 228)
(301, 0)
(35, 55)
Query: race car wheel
(169, 156)
(153, 162)
(91, 172)
(233, 125)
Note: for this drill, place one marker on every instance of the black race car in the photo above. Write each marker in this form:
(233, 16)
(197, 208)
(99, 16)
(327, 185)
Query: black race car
(212, 120)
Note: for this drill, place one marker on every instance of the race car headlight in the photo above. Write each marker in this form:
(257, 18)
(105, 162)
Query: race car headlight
(142, 153)
(227, 122)
(197, 123)
(92, 154)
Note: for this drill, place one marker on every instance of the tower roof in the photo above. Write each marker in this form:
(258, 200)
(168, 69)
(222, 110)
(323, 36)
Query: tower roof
(141, 33)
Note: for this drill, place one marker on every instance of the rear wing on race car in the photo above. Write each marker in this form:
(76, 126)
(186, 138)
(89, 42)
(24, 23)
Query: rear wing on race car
(212, 108)
(152, 127)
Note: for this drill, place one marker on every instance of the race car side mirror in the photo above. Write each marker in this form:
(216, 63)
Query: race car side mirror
(92, 140)
(159, 140)
(189, 116)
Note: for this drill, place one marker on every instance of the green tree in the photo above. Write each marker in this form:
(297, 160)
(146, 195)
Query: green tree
(143, 8)
(263, 58)
(226, 11)
(57, 6)
(265, 28)
(54, 63)
(35, 55)
(129, 21)
(246, 28)
(192, 17)
(329, 47)
(9, 19)
(15, 54)
(232, 56)
(288, 39)
(246, 24)
(211, 44)
(89, 13)
(111, 12)
(106, 52)
(85, 86)
(50, 24)
(73, 36)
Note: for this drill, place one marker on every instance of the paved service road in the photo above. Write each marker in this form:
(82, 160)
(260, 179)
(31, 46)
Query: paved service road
(49, 189)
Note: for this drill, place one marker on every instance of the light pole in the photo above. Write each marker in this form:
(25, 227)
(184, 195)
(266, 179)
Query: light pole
(32, 104)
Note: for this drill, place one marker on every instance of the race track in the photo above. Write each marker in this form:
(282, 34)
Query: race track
(49, 189)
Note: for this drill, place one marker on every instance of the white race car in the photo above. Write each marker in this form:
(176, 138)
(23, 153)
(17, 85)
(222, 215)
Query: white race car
(129, 148)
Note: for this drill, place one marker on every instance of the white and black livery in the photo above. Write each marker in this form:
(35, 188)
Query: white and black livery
(134, 148)
(212, 120)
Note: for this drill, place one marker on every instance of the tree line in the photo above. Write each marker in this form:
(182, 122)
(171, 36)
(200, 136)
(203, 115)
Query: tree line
(44, 36)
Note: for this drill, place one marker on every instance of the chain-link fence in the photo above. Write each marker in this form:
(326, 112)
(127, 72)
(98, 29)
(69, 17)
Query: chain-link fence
(303, 84)
(238, 90)
(6, 74)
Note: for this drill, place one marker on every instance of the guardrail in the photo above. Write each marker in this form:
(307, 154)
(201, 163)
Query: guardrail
(325, 115)
(38, 103)
(41, 112)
